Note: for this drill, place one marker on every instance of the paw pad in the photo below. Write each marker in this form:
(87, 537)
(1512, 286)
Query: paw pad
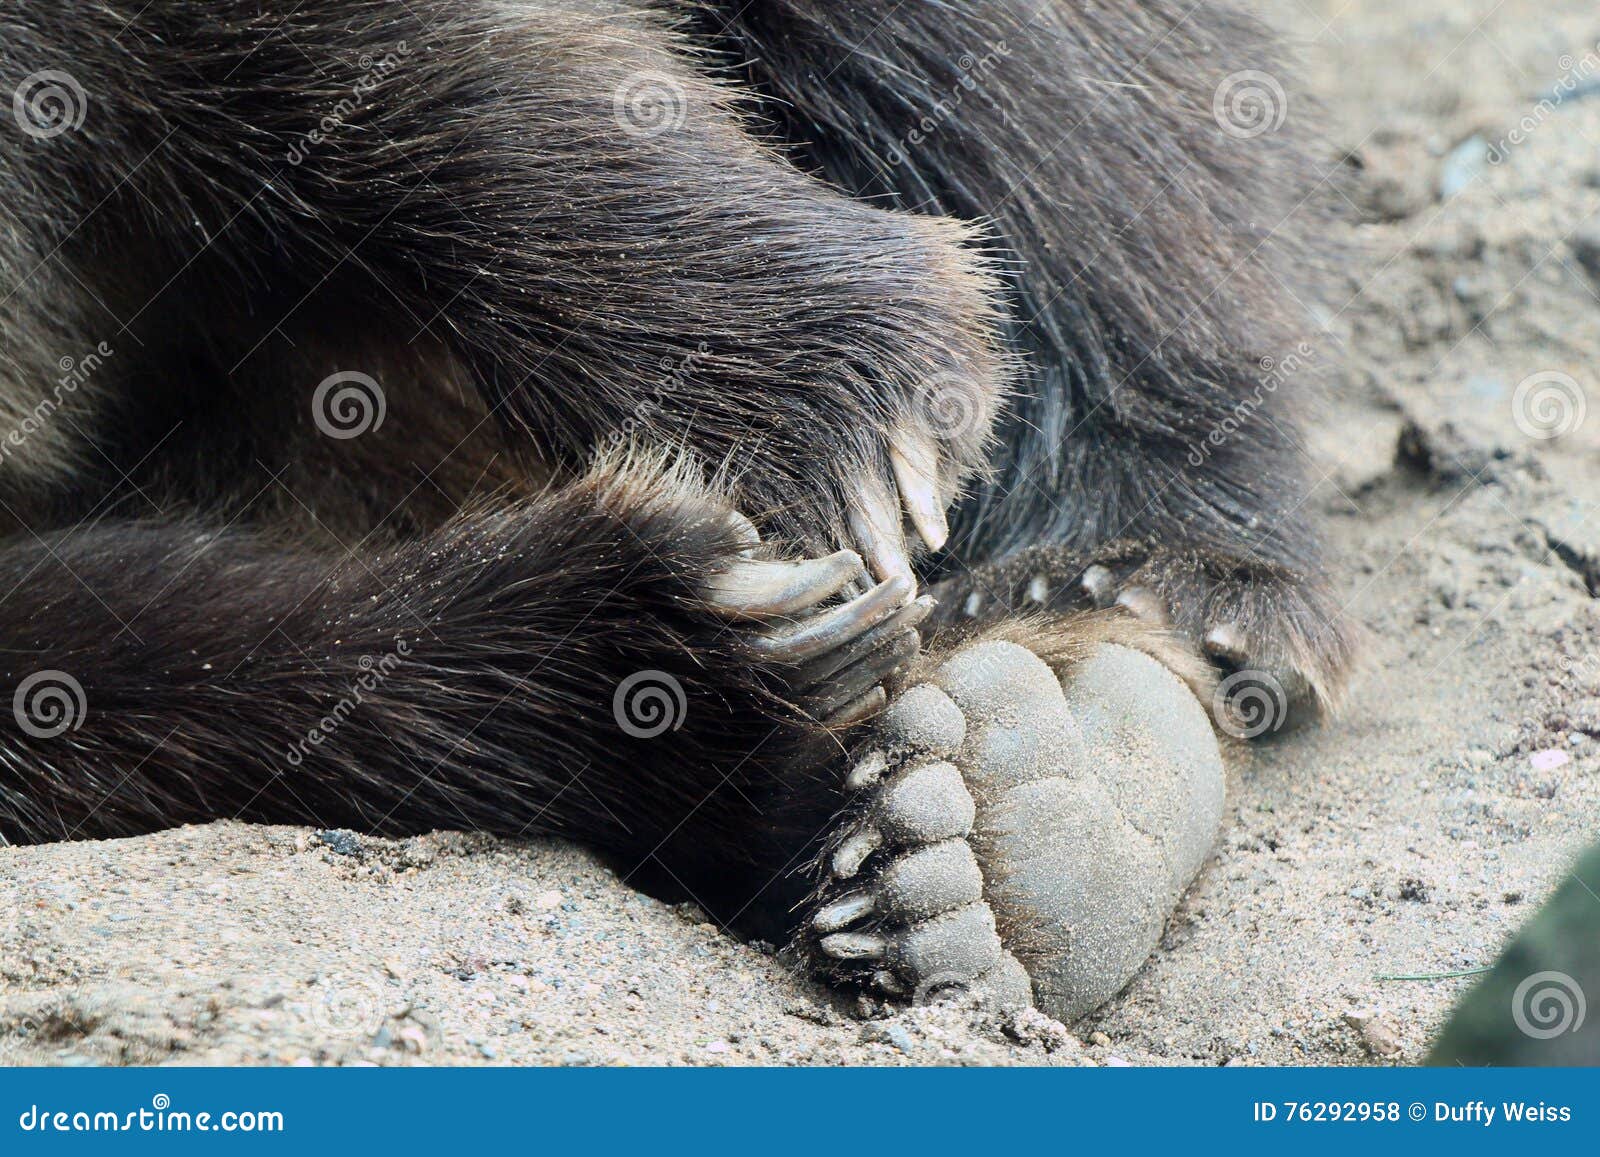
(1020, 832)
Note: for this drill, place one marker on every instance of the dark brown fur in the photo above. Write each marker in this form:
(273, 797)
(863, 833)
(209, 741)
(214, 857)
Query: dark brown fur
(756, 292)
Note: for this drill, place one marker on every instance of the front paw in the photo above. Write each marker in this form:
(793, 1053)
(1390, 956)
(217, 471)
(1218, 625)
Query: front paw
(833, 635)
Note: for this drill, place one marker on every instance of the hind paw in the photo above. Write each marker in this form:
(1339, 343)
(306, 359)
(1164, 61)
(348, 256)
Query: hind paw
(907, 908)
(1019, 830)
(1279, 640)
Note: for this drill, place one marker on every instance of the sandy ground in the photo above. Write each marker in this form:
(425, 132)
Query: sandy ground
(1412, 837)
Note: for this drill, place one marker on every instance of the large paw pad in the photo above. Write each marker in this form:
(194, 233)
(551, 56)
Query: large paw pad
(1016, 827)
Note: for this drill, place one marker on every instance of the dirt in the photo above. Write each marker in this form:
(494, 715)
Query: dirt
(1409, 837)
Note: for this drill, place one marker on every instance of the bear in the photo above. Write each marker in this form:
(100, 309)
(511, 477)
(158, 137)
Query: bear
(660, 425)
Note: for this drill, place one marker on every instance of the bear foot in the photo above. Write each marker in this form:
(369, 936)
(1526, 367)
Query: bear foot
(1021, 828)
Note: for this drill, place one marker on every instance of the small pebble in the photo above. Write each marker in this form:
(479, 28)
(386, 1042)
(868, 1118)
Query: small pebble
(1549, 759)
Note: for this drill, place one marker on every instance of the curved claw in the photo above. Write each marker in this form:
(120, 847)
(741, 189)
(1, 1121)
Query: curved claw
(856, 681)
(844, 911)
(1098, 584)
(834, 627)
(1226, 641)
(854, 851)
(888, 632)
(867, 772)
(915, 462)
(855, 946)
(874, 522)
(859, 710)
(751, 590)
(1144, 604)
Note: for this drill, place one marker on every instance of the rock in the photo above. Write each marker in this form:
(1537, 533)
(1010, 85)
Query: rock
(1377, 1037)
(1465, 164)
(889, 1033)
(340, 842)
(1549, 759)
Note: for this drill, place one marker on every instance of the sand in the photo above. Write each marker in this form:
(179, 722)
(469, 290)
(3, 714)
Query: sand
(1412, 835)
